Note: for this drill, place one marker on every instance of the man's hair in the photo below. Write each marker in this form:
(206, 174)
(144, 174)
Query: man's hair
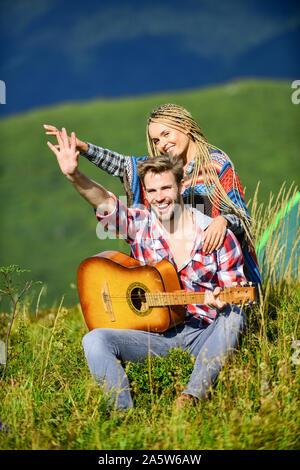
(160, 165)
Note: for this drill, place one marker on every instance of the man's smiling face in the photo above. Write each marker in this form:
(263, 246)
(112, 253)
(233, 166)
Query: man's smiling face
(163, 194)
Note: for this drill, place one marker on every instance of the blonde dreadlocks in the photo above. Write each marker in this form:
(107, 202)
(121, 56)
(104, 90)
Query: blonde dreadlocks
(180, 119)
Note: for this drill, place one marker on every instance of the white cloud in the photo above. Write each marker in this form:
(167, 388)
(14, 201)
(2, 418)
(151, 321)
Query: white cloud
(220, 29)
(17, 15)
(209, 28)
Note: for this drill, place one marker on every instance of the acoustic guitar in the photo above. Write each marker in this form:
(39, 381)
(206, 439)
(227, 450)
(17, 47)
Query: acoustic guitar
(117, 291)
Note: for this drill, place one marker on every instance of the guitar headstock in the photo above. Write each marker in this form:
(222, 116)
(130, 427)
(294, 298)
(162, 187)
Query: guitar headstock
(240, 293)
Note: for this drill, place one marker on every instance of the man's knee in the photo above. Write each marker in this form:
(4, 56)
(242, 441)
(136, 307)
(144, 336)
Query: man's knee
(234, 325)
(239, 319)
(95, 340)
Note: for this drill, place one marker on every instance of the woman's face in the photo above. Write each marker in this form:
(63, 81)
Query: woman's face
(168, 140)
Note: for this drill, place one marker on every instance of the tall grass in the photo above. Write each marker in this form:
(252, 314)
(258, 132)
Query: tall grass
(49, 401)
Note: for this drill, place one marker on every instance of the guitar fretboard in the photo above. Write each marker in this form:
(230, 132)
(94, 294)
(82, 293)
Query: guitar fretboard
(231, 295)
(162, 299)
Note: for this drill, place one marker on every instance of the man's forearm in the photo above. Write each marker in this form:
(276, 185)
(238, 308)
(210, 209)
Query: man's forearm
(92, 192)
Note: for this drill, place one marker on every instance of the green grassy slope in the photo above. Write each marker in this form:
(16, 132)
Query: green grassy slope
(50, 229)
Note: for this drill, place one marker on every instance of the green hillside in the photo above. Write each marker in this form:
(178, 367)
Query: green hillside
(47, 227)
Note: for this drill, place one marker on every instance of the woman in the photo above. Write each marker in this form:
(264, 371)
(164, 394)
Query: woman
(210, 181)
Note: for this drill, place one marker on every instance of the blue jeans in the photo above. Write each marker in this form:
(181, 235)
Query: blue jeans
(106, 349)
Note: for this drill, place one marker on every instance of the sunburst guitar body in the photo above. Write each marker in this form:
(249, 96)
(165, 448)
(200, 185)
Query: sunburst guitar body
(117, 291)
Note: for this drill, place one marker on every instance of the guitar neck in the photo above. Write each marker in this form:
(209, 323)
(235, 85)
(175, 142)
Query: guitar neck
(182, 297)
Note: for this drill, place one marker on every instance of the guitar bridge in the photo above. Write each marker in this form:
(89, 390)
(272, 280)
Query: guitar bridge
(106, 299)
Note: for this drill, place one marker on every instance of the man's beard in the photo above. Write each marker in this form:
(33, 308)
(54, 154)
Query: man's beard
(171, 214)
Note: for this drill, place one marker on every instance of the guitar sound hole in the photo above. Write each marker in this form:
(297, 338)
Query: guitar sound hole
(138, 299)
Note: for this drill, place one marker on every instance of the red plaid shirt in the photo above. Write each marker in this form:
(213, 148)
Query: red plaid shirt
(200, 272)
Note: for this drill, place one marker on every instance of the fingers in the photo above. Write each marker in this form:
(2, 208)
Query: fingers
(59, 146)
(53, 148)
(209, 242)
(214, 235)
(218, 302)
(213, 240)
(64, 137)
(65, 143)
(73, 142)
(59, 139)
(51, 130)
(213, 300)
(217, 291)
(209, 300)
(218, 242)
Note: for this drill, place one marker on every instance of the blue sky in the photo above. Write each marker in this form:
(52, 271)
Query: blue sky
(60, 50)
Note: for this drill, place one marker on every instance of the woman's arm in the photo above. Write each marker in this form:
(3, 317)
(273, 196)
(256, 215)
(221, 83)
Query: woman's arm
(215, 233)
(112, 162)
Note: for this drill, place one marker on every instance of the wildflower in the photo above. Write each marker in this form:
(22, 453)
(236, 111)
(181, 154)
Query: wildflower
(3, 427)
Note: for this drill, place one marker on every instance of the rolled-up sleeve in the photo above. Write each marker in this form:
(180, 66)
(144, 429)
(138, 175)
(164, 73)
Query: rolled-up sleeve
(123, 221)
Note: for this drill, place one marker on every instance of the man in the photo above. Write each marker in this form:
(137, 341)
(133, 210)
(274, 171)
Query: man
(171, 231)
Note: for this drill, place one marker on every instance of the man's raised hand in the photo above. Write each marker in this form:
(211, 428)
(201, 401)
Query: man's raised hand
(66, 153)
